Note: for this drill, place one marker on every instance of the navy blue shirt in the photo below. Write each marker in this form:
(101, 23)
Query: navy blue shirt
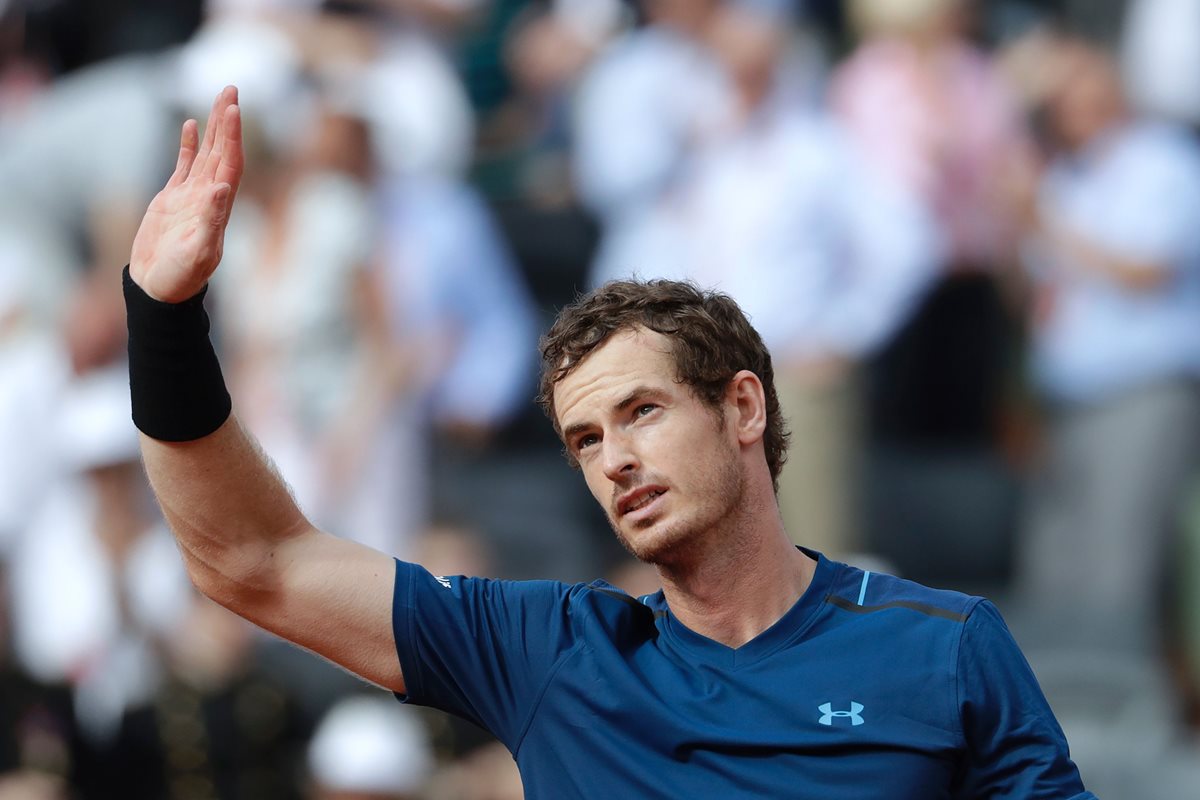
(869, 688)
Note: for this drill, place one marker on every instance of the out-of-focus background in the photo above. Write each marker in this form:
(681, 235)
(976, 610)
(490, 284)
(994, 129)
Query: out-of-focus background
(969, 232)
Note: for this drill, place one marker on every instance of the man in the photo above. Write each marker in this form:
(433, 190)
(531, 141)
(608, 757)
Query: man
(760, 670)
(1114, 252)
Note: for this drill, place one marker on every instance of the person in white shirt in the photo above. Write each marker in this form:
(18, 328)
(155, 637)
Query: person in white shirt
(1114, 247)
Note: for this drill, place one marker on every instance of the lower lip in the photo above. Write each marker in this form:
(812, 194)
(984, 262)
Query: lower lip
(644, 512)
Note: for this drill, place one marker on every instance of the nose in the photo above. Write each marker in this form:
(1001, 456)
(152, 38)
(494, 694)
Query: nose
(620, 460)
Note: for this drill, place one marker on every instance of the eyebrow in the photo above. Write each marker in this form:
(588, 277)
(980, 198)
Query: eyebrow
(637, 393)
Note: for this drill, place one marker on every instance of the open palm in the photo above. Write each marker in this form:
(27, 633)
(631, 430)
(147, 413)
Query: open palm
(180, 241)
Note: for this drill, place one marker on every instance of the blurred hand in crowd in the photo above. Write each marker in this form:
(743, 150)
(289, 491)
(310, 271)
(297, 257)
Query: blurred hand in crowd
(29, 785)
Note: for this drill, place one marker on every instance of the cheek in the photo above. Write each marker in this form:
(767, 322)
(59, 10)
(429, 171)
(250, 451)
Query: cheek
(598, 485)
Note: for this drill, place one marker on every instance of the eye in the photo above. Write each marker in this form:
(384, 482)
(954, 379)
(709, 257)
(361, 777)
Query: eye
(644, 409)
(585, 441)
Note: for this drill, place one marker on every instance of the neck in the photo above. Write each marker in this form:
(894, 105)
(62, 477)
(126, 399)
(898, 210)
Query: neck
(743, 583)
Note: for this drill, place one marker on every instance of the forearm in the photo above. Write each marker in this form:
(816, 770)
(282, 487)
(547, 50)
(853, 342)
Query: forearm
(1130, 274)
(228, 508)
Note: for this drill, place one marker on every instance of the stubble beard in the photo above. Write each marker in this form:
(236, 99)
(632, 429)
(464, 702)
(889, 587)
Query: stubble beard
(682, 540)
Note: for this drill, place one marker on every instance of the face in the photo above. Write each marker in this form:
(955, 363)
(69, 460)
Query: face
(665, 466)
(1088, 101)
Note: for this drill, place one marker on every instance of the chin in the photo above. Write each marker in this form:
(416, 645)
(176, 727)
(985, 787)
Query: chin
(657, 543)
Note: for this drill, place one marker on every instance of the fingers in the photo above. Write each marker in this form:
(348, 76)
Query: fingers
(230, 166)
(204, 164)
(210, 130)
(188, 140)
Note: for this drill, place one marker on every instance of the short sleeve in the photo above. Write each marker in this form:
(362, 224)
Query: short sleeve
(1015, 747)
(480, 649)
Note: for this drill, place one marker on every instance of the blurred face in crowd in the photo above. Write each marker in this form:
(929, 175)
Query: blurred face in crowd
(750, 45)
(689, 16)
(664, 465)
(341, 143)
(1089, 98)
(918, 21)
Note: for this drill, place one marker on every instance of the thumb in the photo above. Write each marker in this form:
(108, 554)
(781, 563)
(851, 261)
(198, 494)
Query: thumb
(219, 205)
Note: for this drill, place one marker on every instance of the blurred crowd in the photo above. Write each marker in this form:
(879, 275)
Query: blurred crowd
(968, 231)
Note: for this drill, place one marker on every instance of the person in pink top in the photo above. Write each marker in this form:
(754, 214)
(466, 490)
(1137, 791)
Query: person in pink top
(932, 112)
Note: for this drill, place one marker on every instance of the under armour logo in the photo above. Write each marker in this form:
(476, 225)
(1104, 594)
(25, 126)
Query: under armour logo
(827, 713)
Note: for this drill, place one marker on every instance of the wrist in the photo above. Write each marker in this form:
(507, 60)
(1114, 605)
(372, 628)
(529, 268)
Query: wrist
(140, 279)
(177, 390)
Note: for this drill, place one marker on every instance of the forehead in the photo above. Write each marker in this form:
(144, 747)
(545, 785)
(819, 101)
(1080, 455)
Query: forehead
(629, 358)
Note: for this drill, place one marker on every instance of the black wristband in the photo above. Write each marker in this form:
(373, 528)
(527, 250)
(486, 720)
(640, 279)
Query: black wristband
(174, 379)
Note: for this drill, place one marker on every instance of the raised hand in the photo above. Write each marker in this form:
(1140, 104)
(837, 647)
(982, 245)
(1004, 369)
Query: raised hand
(181, 238)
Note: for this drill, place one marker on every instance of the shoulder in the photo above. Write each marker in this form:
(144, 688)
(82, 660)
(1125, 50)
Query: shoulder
(601, 603)
(864, 592)
(578, 600)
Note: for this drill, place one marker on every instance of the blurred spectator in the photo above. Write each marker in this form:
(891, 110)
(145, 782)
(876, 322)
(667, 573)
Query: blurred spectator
(525, 151)
(827, 257)
(120, 101)
(931, 110)
(21, 75)
(33, 372)
(455, 297)
(370, 748)
(219, 725)
(61, 199)
(640, 110)
(1115, 252)
(37, 728)
(395, 78)
(96, 573)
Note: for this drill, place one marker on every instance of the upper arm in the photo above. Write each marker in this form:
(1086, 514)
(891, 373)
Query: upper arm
(1014, 745)
(247, 546)
(482, 649)
(329, 595)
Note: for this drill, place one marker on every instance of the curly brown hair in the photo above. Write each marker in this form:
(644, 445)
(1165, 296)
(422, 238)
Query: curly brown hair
(711, 340)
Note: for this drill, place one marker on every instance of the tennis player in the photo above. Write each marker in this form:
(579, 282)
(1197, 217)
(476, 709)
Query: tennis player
(760, 670)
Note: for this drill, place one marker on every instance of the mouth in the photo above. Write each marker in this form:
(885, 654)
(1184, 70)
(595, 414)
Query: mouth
(640, 500)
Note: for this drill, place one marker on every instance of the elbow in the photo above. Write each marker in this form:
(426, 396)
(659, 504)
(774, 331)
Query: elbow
(237, 578)
(214, 581)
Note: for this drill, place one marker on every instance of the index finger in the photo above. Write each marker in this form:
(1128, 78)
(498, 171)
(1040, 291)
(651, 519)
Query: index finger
(215, 115)
(187, 153)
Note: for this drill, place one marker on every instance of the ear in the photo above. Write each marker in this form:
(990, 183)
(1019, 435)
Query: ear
(748, 401)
